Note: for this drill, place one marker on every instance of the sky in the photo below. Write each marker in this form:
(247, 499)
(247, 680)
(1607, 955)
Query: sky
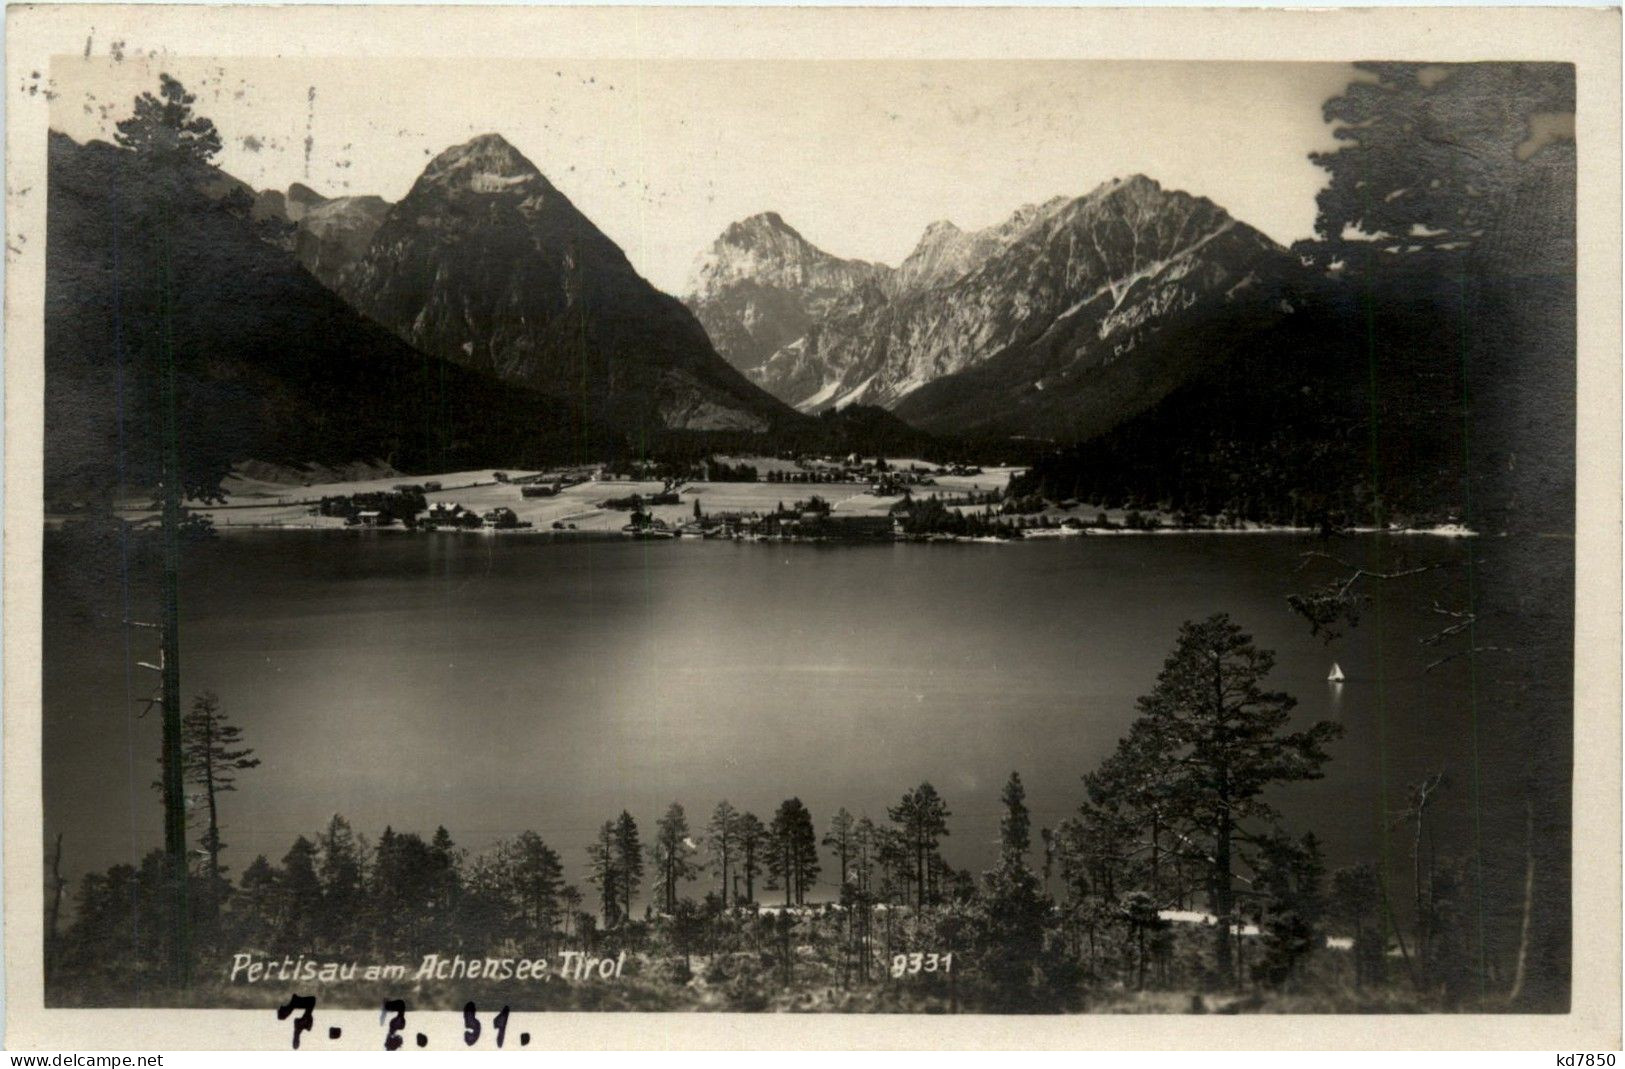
(859, 156)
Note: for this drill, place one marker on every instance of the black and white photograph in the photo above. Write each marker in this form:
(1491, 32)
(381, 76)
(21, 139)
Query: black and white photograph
(840, 535)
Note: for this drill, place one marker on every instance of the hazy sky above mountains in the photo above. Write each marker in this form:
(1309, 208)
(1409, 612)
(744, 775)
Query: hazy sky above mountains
(858, 156)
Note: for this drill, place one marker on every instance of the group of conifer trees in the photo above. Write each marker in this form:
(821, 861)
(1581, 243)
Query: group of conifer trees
(1170, 821)
(1173, 821)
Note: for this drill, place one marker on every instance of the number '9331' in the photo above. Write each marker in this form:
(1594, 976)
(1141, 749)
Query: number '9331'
(914, 964)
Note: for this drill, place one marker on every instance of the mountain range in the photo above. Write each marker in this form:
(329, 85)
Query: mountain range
(484, 320)
(1058, 322)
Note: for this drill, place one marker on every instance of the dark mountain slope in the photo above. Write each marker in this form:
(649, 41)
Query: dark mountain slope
(1064, 384)
(270, 363)
(1367, 405)
(1096, 308)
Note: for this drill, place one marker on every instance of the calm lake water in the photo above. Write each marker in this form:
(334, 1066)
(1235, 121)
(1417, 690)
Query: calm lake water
(495, 684)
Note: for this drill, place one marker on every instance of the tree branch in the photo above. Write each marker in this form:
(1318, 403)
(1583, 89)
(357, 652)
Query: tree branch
(1467, 652)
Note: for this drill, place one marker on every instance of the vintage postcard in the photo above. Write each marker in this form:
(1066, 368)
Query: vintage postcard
(907, 527)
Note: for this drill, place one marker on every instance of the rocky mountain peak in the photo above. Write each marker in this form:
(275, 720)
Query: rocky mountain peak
(766, 233)
(760, 223)
(761, 284)
(1138, 182)
(486, 164)
(1145, 195)
(486, 264)
(764, 250)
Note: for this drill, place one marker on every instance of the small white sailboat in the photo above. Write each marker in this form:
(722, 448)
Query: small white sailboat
(1336, 675)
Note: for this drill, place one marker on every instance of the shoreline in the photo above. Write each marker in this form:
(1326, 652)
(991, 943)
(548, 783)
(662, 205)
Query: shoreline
(257, 504)
(1038, 534)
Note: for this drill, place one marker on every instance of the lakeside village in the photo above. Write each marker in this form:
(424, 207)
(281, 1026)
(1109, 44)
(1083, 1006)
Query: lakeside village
(862, 499)
(858, 499)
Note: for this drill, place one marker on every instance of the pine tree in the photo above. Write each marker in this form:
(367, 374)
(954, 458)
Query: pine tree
(299, 892)
(722, 840)
(1015, 827)
(402, 889)
(1139, 911)
(570, 900)
(256, 901)
(487, 907)
(1228, 739)
(604, 872)
(1133, 795)
(165, 130)
(1012, 910)
(340, 873)
(793, 855)
(865, 850)
(212, 755)
(1356, 900)
(169, 141)
(538, 876)
(628, 860)
(922, 817)
(841, 839)
(1290, 873)
(752, 838)
(447, 872)
(1435, 166)
(673, 852)
(806, 844)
